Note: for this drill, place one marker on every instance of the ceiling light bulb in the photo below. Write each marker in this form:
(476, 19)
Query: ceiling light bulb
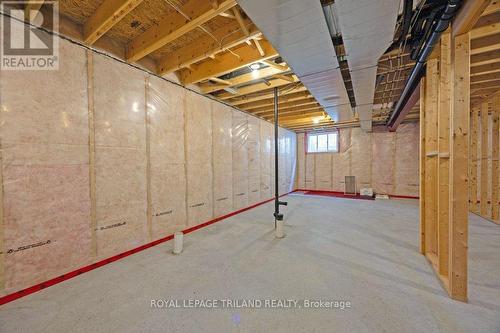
(254, 67)
(316, 120)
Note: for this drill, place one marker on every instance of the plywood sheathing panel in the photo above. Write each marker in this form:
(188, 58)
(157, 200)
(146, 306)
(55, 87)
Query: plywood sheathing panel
(199, 158)
(45, 171)
(222, 159)
(165, 103)
(120, 137)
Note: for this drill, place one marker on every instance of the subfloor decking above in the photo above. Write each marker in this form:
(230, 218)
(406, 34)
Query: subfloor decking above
(365, 252)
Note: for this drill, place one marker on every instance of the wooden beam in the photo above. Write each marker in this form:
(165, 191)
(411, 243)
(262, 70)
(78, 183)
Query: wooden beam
(484, 179)
(290, 111)
(241, 56)
(204, 47)
(174, 26)
(286, 106)
(225, 83)
(485, 69)
(468, 15)
(301, 115)
(444, 110)
(259, 48)
(275, 65)
(485, 58)
(227, 15)
(241, 79)
(494, 7)
(459, 140)
(241, 22)
(288, 78)
(431, 160)
(105, 17)
(292, 97)
(486, 44)
(473, 197)
(266, 95)
(31, 9)
(255, 88)
(486, 30)
(494, 160)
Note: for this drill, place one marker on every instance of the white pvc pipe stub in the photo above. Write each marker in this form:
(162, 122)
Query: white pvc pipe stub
(279, 229)
(178, 240)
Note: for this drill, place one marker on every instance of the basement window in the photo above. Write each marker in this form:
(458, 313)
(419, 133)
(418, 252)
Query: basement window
(323, 142)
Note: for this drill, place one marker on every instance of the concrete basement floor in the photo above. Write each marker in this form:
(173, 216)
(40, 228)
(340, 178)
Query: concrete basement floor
(362, 251)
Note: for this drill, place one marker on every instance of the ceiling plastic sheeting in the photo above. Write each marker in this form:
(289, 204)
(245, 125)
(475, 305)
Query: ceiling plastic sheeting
(367, 28)
(298, 30)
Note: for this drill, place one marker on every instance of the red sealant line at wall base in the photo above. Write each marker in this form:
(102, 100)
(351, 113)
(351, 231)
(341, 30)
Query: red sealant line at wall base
(341, 194)
(61, 278)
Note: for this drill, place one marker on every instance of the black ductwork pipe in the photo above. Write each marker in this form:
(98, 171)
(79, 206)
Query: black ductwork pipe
(405, 26)
(418, 71)
(277, 215)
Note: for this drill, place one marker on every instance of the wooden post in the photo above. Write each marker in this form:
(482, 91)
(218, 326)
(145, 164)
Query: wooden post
(484, 207)
(422, 167)
(473, 198)
(495, 157)
(92, 174)
(444, 154)
(431, 160)
(459, 127)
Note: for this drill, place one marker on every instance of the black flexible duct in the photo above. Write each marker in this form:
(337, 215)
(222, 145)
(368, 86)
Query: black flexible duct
(406, 17)
(418, 71)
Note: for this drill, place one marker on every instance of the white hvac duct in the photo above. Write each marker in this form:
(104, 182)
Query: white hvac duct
(298, 30)
(367, 28)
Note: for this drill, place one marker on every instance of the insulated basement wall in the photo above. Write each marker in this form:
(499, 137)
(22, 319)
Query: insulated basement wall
(384, 161)
(98, 158)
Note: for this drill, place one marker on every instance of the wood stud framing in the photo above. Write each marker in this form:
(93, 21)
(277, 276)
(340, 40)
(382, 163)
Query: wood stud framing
(444, 156)
(484, 155)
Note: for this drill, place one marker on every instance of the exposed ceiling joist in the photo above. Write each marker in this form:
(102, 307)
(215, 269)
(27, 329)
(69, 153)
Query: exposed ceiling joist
(256, 87)
(468, 15)
(294, 111)
(284, 105)
(300, 116)
(31, 9)
(242, 79)
(241, 56)
(271, 63)
(299, 96)
(173, 26)
(266, 95)
(204, 47)
(105, 17)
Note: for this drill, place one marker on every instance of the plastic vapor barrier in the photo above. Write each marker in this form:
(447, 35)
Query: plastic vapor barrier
(384, 161)
(166, 119)
(99, 158)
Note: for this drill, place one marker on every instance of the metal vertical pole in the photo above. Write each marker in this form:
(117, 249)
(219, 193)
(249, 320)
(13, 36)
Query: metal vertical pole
(277, 202)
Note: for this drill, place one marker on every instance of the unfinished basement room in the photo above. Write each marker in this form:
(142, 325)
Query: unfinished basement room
(249, 166)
